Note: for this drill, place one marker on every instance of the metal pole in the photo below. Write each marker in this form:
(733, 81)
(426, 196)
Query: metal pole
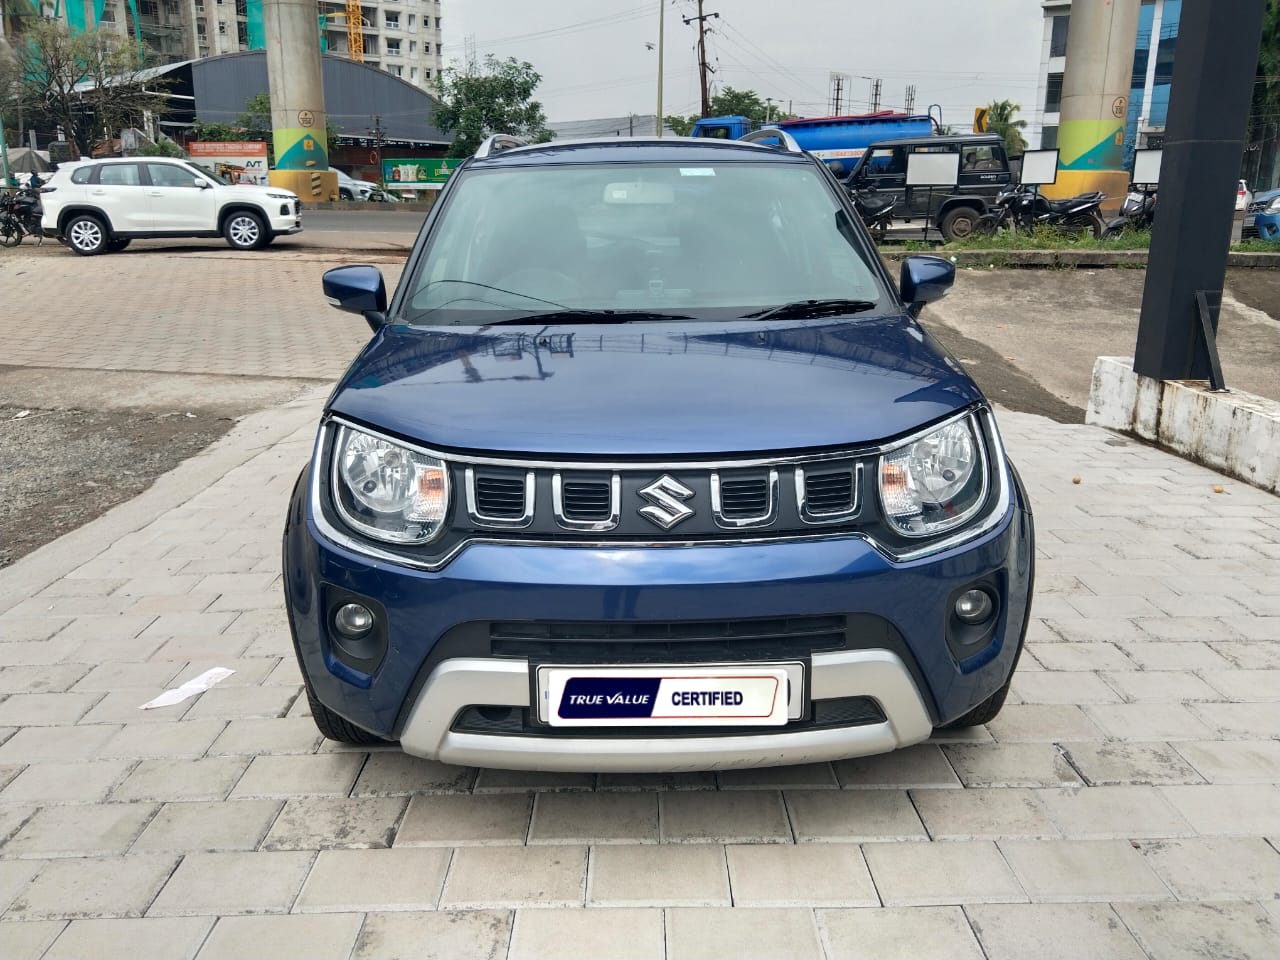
(4, 154)
(1213, 78)
(662, 29)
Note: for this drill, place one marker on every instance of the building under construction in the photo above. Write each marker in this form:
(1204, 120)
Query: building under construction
(401, 38)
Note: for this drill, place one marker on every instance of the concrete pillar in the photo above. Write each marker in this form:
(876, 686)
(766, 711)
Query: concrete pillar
(1095, 99)
(296, 85)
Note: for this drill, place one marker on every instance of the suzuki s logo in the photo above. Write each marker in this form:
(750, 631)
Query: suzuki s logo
(665, 508)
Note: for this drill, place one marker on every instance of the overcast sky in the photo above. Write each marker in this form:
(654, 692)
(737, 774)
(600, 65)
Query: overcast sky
(594, 62)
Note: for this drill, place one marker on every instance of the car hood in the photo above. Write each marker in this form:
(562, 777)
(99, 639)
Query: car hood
(1265, 196)
(650, 389)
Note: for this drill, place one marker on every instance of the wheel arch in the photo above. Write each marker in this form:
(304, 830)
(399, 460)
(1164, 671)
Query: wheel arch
(84, 209)
(242, 206)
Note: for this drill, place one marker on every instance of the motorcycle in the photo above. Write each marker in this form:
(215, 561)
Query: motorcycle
(1021, 208)
(876, 212)
(1137, 213)
(20, 214)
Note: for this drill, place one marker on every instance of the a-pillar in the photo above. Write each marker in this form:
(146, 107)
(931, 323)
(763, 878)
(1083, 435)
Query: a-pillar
(296, 83)
(1095, 99)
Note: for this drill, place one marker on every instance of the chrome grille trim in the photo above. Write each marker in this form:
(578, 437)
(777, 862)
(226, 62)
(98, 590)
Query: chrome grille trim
(744, 523)
(588, 526)
(498, 523)
(816, 517)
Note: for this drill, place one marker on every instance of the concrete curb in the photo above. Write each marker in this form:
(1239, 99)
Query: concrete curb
(251, 436)
(1071, 259)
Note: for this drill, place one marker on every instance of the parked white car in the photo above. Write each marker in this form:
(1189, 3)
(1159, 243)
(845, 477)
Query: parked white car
(1244, 196)
(350, 188)
(101, 205)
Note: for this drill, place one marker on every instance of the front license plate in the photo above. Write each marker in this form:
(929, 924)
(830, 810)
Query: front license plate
(671, 696)
(1250, 221)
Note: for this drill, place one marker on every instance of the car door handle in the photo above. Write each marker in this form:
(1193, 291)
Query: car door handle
(99, 193)
(156, 193)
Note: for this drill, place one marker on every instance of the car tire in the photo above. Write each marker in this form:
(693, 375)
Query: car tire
(115, 246)
(334, 727)
(244, 230)
(958, 223)
(345, 194)
(86, 235)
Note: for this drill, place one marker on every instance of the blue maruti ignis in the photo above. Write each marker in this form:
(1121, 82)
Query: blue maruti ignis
(649, 466)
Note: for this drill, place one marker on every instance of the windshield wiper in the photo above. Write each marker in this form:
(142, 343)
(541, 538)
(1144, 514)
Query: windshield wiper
(810, 309)
(589, 316)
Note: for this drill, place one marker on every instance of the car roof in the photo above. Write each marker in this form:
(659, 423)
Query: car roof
(638, 150)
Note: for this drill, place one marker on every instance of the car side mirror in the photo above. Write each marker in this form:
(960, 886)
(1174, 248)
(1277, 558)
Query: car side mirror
(924, 280)
(201, 182)
(358, 289)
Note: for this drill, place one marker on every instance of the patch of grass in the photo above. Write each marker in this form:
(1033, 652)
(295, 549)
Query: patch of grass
(1256, 245)
(1047, 238)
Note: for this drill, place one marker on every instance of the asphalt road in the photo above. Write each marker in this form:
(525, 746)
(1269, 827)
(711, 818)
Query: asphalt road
(363, 221)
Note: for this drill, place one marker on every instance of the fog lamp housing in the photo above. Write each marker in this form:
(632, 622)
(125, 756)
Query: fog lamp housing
(353, 620)
(974, 606)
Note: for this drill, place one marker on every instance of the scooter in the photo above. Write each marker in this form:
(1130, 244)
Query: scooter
(1020, 207)
(1137, 213)
(876, 212)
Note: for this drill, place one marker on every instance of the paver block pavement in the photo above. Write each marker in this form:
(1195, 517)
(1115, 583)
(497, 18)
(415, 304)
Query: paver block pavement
(162, 938)
(594, 818)
(616, 934)
(939, 874)
(93, 887)
(212, 884)
(728, 817)
(1216, 868)
(805, 875)
(1190, 931)
(1052, 931)
(757, 934)
(483, 878)
(898, 933)
(316, 937)
(1075, 870)
(694, 875)
(409, 878)
(475, 934)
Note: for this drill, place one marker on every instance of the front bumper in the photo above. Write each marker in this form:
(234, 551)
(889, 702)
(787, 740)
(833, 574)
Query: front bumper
(440, 660)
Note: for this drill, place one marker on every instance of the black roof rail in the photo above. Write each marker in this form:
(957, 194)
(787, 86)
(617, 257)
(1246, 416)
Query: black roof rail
(497, 143)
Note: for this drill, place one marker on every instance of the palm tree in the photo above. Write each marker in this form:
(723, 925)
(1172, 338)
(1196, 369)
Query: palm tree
(1000, 120)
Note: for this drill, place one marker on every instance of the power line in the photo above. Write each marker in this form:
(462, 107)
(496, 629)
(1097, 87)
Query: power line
(701, 20)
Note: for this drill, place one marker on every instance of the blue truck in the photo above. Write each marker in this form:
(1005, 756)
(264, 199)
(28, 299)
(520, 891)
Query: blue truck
(827, 138)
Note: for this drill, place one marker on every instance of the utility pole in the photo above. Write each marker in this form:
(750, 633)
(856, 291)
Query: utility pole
(768, 110)
(703, 69)
(377, 139)
(911, 98)
(662, 33)
(838, 87)
(875, 96)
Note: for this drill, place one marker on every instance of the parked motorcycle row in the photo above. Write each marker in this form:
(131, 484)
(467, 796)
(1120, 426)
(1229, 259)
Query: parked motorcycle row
(20, 213)
(1022, 209)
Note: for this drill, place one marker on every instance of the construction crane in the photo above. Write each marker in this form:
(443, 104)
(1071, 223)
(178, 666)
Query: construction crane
(355, 29)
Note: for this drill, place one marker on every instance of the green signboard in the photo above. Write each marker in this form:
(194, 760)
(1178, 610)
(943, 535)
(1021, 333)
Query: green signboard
(422, 173)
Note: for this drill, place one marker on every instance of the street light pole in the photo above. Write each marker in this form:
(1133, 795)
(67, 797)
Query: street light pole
(662, 24)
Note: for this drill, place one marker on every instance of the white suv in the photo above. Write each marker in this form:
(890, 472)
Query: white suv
(100, 205)
(351, 189)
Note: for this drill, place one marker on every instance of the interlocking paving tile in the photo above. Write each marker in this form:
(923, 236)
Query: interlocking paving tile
(457, 820)
(1216, 868)
(1187, 931)
(161, 938)
(595, 818)
(924, 765)
(979, 813)
(1115, 762)
(772, 875)
(196, 827)
(853, 815)
(723, 817)
(322, 823)
(232, 883)
(314, 937)
(93, 887)
(483, 878)
(757, 934)
(1073, 870)
(898, 933)
(1052, 931)
(665, 875)
(602, 932)
(80, 831)
(358, 880)
(939, 874)
(452, 935)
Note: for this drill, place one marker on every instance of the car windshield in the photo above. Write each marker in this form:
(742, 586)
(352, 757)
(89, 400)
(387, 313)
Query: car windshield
(707, 240)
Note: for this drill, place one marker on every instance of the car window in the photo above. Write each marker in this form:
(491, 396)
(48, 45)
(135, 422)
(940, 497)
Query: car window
(81, 175)
(168, 175)
(887, 161)
(721, 239)
(983, 158)
(119, 174)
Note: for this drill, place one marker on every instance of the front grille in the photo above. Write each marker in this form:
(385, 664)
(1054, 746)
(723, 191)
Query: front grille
(740, 499)
(587, 500)
(1258, 206)
(500, 497)
(829, 492)
(516, 721)
(672, 642)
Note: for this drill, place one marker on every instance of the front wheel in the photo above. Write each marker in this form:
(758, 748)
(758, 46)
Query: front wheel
(244, 231)
(987, 225)
(958, 223)
(338, 728)
(86, 235)
(10, 231)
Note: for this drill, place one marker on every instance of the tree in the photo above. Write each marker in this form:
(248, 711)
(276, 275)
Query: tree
(89, 84)
(1000, 114)
(475, 103)
(1265, 110)
(730, 102)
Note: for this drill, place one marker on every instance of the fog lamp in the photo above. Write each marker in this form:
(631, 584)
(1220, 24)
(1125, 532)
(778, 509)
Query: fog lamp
(353, 620)
(974, 606)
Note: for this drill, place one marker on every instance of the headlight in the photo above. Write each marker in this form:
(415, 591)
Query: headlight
(386, 490)
(1274, 206)
(281, 196)
(934, 483)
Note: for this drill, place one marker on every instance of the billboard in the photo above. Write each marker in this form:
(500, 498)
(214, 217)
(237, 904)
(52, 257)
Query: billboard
(418, 174)
(235, 161)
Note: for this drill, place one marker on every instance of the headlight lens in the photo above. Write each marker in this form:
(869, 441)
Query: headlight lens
(387, 491)
(934, 483)
(1274, 206)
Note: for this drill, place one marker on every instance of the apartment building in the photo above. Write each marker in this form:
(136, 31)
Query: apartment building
(401, 37)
